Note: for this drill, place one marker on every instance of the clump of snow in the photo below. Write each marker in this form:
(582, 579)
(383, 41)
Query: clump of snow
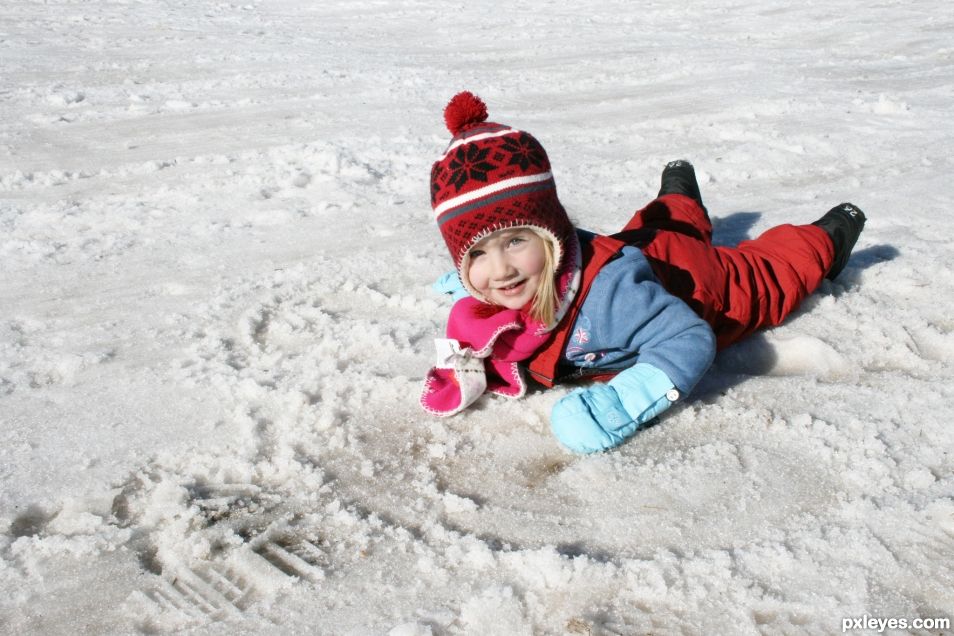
(495, 609)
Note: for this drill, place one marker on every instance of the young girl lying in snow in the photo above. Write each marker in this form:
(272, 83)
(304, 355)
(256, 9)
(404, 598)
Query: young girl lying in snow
(647, 307)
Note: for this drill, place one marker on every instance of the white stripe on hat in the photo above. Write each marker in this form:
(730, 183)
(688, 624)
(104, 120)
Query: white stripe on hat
(481, 136)
(473, 195)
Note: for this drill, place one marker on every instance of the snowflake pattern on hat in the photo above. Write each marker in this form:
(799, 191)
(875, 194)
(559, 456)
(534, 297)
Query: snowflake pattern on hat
(469, 162)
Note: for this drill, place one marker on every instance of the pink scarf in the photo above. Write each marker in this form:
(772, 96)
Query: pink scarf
(484, 343)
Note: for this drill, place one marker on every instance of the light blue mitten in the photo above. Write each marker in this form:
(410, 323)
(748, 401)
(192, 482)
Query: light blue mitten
(602, 416)
(591, 419)
(645, 391)
(450, 283)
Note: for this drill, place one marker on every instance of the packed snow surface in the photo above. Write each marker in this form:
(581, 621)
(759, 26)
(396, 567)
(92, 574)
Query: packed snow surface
(217, 249)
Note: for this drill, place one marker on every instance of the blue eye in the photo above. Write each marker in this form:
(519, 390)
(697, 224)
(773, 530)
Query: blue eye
(474, 254)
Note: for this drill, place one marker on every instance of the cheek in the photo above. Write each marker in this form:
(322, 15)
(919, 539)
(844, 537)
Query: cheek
(477, 275)
(535, 263)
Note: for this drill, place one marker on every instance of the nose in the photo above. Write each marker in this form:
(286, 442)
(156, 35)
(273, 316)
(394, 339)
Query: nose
(501, 268)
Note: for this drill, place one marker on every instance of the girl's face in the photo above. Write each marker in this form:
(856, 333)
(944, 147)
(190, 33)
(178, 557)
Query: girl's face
(506, 266)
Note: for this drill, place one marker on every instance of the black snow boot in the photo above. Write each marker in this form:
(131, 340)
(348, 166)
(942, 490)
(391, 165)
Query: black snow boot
(843, 223)
(679, 177)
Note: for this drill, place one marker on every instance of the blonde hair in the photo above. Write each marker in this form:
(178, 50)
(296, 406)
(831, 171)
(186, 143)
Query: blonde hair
(545, 301)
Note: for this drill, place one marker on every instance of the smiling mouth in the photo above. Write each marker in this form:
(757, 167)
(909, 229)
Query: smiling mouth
(512, 289)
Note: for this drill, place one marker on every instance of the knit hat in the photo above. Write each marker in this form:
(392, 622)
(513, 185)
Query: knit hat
(493, 177)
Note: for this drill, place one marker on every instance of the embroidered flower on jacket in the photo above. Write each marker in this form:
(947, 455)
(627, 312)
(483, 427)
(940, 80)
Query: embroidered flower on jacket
(581, 336)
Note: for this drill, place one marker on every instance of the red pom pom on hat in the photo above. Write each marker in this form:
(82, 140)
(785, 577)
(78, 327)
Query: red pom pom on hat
(463, 110)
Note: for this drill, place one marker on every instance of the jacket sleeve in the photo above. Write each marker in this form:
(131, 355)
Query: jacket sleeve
(688, 350)
(657, 328)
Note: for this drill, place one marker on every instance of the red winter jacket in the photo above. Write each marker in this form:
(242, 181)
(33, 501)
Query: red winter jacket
(737, 290)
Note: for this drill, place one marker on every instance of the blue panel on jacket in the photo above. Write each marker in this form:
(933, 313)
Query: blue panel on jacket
(628, 317)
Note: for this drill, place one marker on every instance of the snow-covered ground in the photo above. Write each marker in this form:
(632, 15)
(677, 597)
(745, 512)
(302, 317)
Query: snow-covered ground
(215, 316)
